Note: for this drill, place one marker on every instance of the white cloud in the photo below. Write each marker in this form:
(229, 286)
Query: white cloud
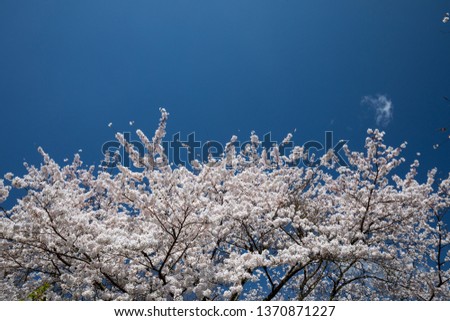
(384, 109)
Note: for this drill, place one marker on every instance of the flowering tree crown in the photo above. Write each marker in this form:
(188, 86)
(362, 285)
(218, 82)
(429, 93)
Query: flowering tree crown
(247, 226)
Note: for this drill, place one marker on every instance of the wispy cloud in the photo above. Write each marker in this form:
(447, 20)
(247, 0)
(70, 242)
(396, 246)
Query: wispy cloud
(384, 109)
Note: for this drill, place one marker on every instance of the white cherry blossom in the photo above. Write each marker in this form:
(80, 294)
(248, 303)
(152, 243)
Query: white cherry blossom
(251, 227)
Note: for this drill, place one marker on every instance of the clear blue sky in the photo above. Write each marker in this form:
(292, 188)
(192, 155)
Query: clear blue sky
(68, 68)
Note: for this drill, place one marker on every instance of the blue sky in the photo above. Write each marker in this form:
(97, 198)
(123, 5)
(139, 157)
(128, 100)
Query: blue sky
(68, 68)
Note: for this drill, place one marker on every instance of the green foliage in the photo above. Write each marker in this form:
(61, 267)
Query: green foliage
(39, 293)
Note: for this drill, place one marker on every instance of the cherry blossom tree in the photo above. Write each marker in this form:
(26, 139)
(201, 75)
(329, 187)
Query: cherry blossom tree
(251, 225)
